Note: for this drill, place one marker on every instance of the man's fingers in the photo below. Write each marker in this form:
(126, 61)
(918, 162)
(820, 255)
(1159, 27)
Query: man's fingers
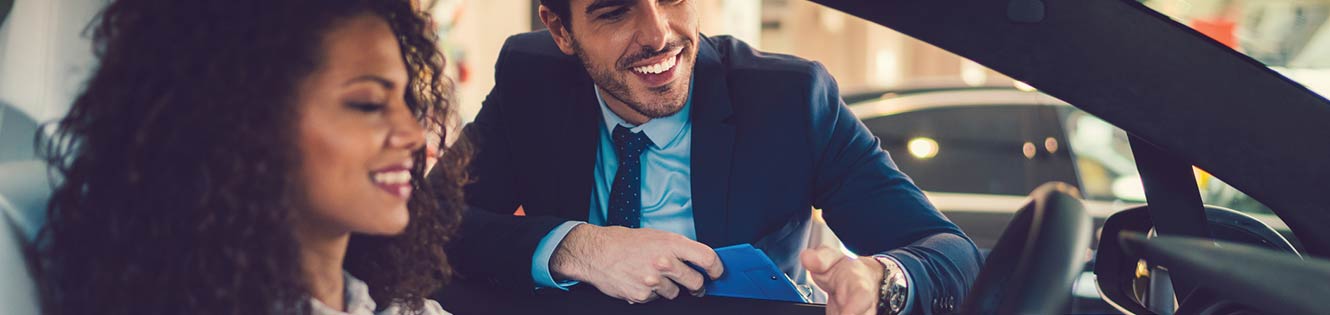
(848, 290)
(855, 300)
(820, 263)
(833, 308)
(662, 287)
(643, 295)
(631, 295)
(860, 303)
(842, 301)
(702, 256)
(680, 273)
(821, 259)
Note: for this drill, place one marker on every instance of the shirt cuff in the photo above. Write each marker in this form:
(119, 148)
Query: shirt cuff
(540, 261)
(909, 284)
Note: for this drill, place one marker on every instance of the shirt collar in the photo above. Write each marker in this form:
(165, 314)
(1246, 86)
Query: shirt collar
(358, 301)
(661, 131)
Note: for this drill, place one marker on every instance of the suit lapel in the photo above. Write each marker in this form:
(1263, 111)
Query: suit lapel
(581, 133)
(713, 146)
(712, 141)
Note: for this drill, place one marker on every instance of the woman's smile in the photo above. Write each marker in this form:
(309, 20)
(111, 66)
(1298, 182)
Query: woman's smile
(395, 179)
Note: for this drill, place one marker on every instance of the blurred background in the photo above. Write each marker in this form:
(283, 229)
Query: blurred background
(975, 140)
(44, 57)
(1287, 34)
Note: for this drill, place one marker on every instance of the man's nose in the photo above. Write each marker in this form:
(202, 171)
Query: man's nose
(653, 27)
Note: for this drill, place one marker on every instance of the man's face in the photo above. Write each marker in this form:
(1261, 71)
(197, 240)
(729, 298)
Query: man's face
(640, 52)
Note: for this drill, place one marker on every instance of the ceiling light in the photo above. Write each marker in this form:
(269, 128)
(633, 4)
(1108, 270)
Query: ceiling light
(923, 148)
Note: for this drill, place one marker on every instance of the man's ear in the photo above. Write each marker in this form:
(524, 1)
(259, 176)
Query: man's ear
(562, 36)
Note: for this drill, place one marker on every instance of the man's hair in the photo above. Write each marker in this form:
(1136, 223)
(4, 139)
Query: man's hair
(560, 8)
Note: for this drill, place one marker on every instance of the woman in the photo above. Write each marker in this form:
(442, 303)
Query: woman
(236, 156)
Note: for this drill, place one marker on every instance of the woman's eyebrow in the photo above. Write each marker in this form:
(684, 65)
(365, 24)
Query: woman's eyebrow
(387, 84)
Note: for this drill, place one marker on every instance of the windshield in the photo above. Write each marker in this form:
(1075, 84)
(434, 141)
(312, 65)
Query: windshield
(872, 62)
(1290, 36)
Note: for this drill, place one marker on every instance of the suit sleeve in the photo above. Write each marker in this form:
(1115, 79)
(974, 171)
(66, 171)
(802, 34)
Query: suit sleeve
(493, 245)
(876, 209)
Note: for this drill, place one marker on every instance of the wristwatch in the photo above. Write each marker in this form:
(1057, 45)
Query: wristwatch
(895, 289)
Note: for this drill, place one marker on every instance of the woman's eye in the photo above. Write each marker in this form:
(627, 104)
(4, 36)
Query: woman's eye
(365, 107)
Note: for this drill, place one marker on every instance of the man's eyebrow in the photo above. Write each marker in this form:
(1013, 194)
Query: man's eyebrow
(600, 4)
(387, 84)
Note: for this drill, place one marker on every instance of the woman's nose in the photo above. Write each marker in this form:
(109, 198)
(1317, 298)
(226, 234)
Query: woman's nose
(407, 132)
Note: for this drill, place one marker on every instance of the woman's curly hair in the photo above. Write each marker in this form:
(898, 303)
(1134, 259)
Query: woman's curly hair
(179, 163)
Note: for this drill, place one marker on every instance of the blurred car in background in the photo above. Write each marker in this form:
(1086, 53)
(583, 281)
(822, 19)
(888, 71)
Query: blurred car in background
(978, 152)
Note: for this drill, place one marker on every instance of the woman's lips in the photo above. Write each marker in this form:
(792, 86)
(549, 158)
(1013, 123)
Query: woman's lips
(395, 180)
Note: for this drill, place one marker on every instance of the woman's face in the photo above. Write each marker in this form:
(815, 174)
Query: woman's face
(356, 134)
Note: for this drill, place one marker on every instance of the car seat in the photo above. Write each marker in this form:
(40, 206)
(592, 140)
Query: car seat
(24, 190)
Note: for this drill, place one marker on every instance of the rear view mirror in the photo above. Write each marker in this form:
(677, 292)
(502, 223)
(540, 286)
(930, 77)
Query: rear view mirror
(1135, 285)
(1114, 269)
(1239, 278)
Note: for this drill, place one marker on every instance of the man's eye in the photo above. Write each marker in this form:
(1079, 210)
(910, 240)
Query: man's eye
(614, 15)
(365, 107)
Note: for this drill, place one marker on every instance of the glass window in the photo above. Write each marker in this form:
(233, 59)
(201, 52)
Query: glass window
(991, 149)
(1291, 37)
(1108, 171)
(1011, 149)
(1103, 158)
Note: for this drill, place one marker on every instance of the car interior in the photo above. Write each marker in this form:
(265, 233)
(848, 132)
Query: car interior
(23, 194)
(1130, 282)
(1047, 45)
(1034, 256)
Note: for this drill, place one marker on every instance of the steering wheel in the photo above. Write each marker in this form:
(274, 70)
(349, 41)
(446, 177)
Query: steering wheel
(1037, 258)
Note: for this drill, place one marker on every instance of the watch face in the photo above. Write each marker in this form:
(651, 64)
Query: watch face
(897, 297)
(895, 289)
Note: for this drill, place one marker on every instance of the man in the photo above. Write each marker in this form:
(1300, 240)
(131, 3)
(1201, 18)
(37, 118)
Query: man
(635, 145)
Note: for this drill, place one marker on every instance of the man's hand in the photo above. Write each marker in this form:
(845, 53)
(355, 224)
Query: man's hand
(636, 265)
(852, 283)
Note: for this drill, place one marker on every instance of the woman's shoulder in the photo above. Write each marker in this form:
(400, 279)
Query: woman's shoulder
(431, 307)
(358, 292)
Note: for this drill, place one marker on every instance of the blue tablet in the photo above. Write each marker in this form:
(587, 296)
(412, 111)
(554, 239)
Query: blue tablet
(749, 273)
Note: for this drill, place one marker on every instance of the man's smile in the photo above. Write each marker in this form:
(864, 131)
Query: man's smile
(658, 71)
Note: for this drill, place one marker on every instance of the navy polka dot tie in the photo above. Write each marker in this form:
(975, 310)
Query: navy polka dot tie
(625, 208)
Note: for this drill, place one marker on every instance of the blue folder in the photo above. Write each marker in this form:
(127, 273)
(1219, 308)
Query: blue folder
(749, 273)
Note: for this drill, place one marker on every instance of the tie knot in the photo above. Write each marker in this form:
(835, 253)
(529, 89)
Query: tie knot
(629, 144)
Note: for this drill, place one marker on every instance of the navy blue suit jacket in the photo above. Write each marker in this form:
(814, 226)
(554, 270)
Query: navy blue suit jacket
(771, 140)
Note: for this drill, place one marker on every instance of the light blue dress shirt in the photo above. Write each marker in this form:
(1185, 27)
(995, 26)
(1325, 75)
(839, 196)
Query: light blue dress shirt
(667, 191)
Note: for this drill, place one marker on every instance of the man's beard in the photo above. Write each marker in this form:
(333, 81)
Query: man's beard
(607, 80)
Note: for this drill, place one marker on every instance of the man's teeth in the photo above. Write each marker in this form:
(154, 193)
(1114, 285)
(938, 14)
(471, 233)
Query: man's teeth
(658, 68)
(393, 178)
